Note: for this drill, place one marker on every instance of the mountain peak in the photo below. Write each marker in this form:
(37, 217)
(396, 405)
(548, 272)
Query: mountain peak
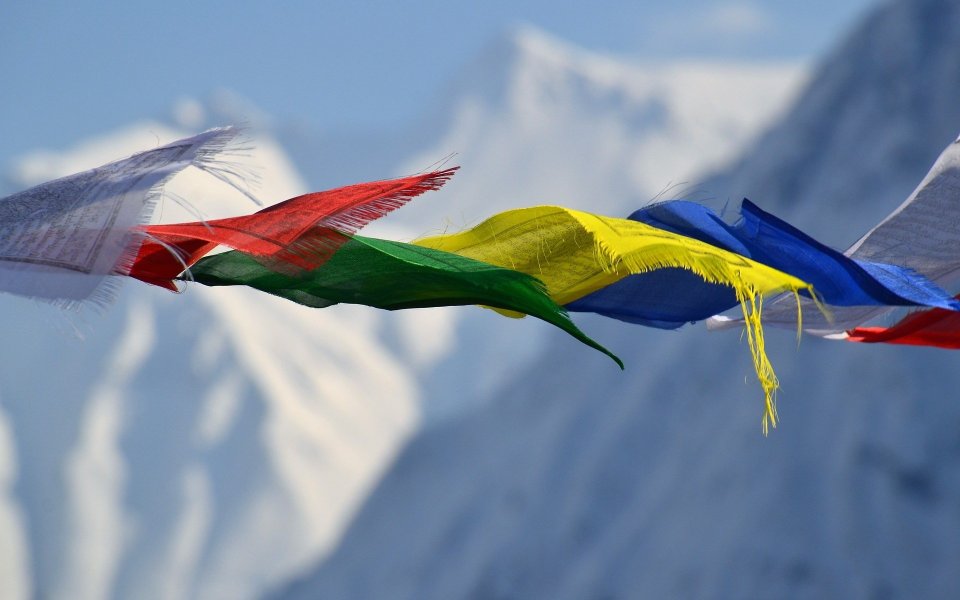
(523, 53)
(527, 41)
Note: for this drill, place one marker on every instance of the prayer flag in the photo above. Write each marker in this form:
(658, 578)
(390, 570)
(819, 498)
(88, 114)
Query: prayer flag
(61, 239)
(393, 275)
(936, 327)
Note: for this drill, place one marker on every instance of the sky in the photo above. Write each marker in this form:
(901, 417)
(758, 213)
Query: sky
(71, 69)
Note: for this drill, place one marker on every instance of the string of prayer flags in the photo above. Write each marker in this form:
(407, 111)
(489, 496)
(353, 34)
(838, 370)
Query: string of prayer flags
(667, 264)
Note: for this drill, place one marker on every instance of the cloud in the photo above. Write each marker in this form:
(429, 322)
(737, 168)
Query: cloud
(724, 27)
(733, 20)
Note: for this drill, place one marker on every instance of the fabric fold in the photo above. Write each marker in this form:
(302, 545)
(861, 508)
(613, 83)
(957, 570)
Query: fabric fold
(392, 276)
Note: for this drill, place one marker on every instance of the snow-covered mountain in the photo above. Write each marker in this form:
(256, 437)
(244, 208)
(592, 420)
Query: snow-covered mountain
(577, 482)
(537, 121)
(201, 445)
(214, 443)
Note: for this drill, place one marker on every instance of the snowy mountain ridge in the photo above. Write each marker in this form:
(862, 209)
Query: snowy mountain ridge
(521, 118)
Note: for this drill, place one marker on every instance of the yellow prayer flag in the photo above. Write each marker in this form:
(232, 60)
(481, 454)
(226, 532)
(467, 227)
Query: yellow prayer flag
(576, 253)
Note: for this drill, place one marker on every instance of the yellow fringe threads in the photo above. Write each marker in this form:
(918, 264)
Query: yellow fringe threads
(576, 253)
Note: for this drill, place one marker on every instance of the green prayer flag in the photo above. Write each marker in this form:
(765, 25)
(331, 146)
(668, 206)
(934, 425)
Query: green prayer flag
(392, 276)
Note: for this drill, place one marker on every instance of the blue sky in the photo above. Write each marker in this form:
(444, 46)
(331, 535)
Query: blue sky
(72, 69)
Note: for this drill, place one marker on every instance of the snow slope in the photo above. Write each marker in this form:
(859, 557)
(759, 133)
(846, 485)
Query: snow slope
(579, 482)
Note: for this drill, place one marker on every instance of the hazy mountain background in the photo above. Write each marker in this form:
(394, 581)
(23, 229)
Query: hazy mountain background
(217, 444)
(575, 483)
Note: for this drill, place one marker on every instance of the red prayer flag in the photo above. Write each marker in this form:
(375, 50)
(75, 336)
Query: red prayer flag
(296, 234)
(936, 327)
